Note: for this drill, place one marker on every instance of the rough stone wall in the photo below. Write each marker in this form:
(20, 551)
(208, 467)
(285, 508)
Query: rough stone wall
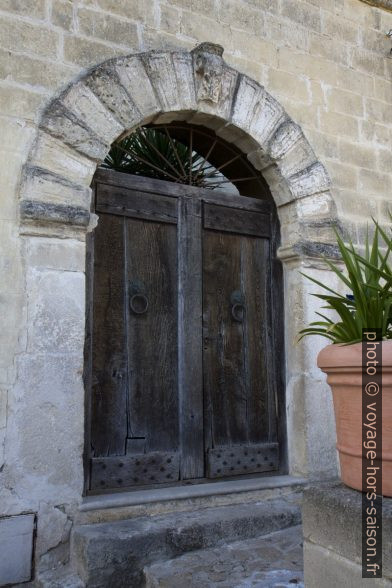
(326, 61)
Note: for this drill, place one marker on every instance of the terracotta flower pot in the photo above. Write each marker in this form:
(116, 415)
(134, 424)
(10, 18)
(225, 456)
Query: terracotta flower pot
(343, 366)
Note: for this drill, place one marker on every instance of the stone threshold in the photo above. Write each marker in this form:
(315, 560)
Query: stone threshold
(142, 497)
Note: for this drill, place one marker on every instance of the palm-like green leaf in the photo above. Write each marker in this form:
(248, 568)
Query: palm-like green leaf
(153, 153)
(368, 277)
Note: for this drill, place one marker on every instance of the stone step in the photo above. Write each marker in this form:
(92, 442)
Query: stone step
(274, 561)
(115, 553)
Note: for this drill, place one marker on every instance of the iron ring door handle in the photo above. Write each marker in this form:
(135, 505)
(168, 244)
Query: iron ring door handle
(138, 303)
(237, 312)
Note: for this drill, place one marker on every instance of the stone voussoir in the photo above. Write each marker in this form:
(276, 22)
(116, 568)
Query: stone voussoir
(310, 180)
(105, 83)
(58, 158)
(171, 74)
(80, 100)
(129, 69)
(61, 123)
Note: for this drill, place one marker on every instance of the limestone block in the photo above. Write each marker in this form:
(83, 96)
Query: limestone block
(332, 519)
(278, 185)
(316, 206)
(56, 254)
(43, 186)
(87, 53)
(47, 459)
(349, 205)
(135, 80)
(183, 67)
(17, 137)
(384, 159)
(309, 181)
(20, 102)
(303, 14)
(257, 111)
(260, 159)
(374, 183)
(305, 64)
(16, 548)
(369, 62)
(3, 422)
(55, 311)
(133, 9)
(53, 155)
(34, 8)
(104, 82)
(248, 99)
(383, 88)
(360, 155)
(64, 125)
(80, 100)
(164, 72)
(343, 175)
(169, 19)
(338, 124)
(11, 296)
(249, 45)
(245, 17)
(36, 72)
(345, 102)
(288, 84)
(354, 81)
(299, 157)
(62, 14)
(107, 27)
(284, 139)
(325, 568)
(53, 528)
(31, 38)
(378, 111)
(204, 28)
(47, 212)
(3, 408)
(340, 28)
(215, 82)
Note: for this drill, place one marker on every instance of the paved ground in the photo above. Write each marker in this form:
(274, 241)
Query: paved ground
(272, 561)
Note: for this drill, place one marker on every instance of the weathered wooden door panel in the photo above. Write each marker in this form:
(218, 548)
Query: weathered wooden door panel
(151, 310)
(135, 420)
(182, 337)
(109, 355)
(236, 318)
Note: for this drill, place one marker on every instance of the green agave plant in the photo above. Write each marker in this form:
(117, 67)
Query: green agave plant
(153, 153)
(368, 278)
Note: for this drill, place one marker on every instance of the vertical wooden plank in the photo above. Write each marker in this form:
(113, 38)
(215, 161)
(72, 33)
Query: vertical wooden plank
(151, 272)
(276, 298)
(190, 338)
(255, 278)
(109, 374)
(224, 375)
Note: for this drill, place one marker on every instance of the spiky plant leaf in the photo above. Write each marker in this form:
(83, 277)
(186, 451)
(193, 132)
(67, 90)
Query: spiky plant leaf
(368, 276)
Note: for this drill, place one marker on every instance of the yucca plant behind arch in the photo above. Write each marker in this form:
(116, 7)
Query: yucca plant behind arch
(155, 152)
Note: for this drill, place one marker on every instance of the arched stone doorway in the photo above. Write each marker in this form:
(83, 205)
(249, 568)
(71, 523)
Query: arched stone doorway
(77, 129)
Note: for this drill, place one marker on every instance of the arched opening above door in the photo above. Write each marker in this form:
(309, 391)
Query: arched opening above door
(187, 154)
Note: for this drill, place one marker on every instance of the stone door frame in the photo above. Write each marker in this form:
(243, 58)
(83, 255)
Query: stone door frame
(74, 135)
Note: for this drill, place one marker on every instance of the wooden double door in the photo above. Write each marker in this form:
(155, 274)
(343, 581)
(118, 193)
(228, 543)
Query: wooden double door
(182, 337)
